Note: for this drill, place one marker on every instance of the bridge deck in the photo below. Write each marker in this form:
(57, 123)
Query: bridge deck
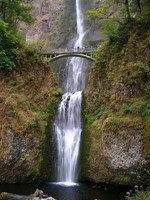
(55, 54)
(68, 51)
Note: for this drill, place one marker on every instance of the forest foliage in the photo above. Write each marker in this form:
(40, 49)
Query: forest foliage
(119, 16)
(12, 12)
(141, 195)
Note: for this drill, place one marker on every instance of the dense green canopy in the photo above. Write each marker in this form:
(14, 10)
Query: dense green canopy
(11, 13)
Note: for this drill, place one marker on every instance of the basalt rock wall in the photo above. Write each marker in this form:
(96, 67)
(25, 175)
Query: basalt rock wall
(116, 113)
(29, 96)
(51, 22)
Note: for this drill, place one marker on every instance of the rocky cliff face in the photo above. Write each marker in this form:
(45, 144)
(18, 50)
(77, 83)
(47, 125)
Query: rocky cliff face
(117, 114)
(55, 25)
(28, 99)
(45, 14)
(93, 28)
(51, 22)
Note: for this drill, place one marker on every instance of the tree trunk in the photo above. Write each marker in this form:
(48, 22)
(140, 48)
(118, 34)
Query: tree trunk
(139, 4)
(127, 8)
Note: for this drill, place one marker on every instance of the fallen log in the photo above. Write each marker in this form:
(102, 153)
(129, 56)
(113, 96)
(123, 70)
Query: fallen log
(37, 195)
(10, 196)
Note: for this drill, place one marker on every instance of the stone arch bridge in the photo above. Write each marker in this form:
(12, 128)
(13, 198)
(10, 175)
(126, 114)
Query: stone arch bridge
(55, 54)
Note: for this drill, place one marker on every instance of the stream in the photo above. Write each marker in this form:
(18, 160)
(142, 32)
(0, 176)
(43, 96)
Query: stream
(82, 191)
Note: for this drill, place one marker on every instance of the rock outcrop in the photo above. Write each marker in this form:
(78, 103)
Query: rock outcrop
(37, 195)
(45, 14)
(29, 97)
(55, 25)
(50, 28)
(117, 114)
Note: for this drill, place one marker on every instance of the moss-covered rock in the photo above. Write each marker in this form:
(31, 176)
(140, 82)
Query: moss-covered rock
(28, 100)
(117, 114)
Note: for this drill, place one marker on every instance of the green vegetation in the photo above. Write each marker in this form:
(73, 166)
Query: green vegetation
(116, 100)
(142, 195)
(146, 111)
(34, 124)
(14, 11)
(11, 13)
(117, 24)
(127, 108)
(28, 98)
(29, 93)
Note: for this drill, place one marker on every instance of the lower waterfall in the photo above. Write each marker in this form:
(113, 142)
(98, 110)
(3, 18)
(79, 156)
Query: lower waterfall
(68, 131)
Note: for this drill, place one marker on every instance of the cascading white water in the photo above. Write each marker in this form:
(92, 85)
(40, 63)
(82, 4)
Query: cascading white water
(68, 122)
(68, 129)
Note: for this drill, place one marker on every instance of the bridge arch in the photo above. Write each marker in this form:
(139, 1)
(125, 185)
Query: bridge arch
(54, 58)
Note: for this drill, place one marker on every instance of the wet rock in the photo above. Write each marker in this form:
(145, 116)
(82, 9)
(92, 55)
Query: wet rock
(37, 195)
(45, 26)
(19, 156)
(10, 196)
(123, 150)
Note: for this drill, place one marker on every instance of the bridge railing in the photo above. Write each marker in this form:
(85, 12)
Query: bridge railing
(69, 50)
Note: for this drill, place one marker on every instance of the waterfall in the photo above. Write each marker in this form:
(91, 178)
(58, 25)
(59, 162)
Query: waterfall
(68, 126)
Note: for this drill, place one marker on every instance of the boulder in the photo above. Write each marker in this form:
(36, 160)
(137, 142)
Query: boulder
(37, 195)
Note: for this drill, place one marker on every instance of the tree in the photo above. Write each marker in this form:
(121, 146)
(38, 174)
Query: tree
(127, 8)
(117, 24)
(139, 4)
(13, 11)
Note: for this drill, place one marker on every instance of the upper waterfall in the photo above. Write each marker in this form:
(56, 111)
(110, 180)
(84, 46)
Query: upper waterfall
(80, 25)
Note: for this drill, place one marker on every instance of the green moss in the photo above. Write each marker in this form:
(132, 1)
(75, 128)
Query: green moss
(100, 111)
(29, 104)
(116, 100)
(85, 145)
(136, 73)
(44, 157)
(127, 108)
(141, 195)
(25, 157)
(146, 111)
(111, 124)
(123, 177)
(52, 106)
(53, 101)
(33, 124)
(113, 97)
(84, 156)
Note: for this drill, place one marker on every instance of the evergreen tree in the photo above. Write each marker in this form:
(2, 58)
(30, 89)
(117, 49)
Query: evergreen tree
(11, 13)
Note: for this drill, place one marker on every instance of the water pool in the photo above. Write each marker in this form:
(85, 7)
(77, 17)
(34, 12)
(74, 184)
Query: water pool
(81, 191)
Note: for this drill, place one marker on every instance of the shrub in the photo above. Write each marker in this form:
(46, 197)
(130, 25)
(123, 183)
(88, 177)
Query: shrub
(33, 124)
(116, 32)
(127, 108)
(146, 112)
(10, 41)
(143, 195)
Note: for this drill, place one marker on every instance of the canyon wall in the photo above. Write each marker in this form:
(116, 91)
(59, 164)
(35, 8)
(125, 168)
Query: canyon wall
(51, 23)
(116, 113)
(29, 96)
